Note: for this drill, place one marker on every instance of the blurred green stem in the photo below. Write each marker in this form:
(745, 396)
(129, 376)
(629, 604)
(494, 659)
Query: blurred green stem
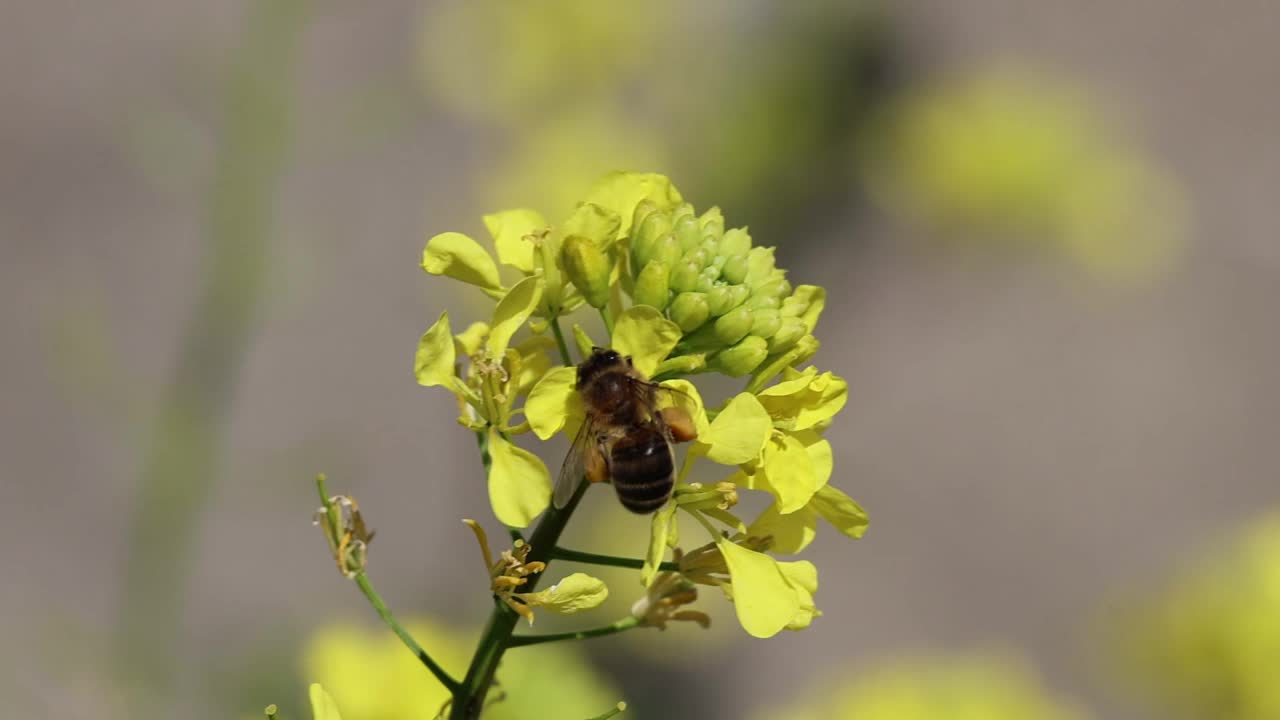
(181, 467)
(560, 553)
(332, 516)
(607, 315)
(564, 347)
(468, 699)
(622, 625)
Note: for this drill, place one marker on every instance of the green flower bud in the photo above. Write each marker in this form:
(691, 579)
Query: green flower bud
(759, 265)
(697, 256)
(735, 269)
(765, 323)
(645, 237)
(688, 232)
(777, 287)
(651, 286)
(727, 297)
(666, 250)
(790, 330)
(682, 211)
(684, 277)
(689, 310)
(707, 279)
(644, 208)
(735, 242)
(682, 365)
(732, 327)
(588, 269)
(712, 223)
(740, 359)
(763, 302)
(793, 306)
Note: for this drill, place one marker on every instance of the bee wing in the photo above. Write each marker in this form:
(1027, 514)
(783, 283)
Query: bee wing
(646, 392)
(572, 471)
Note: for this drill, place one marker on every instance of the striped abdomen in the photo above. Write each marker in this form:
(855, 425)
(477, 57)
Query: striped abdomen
(642, 468)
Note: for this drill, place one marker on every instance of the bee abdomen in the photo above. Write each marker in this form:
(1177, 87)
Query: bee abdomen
(642, 470)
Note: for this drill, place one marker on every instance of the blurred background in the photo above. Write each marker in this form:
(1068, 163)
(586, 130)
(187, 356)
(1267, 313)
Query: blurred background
(1048, 235)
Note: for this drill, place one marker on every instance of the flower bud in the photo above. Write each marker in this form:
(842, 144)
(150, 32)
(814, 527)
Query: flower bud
(776, 287)
(735, 242)
(651, 286)
(712, 223)
(793, 306)
(681, 365)
(763, 302)
(689, 310)
(645, 236)
(644, 208)
(735, 269)
(707, 279)
(697, 256)
(666, 250)
(684, 277)
(688, 232)
(682, 211)
(764, 323)
(588, 269)
(742, 358)
(732, 327)
(790, 330)
(726, 298)
(759, 265)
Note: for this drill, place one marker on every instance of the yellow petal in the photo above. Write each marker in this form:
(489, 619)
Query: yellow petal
(805, 400)
(436, 355)
(841, 511)
(598, 224)
(787, 472)
(468, 341)
(322, 706)
(763, 598)
(791, 533)
(535, 361)
(620, 192)
(816, 298)
(510, 230)
(738, 433)
(820, 455)
(551, 401)
(577, 592)
(686, 398)
(646, 336)
(659, 533)
(512, 312)
(461, 258)
(519, 484)
(803, 577)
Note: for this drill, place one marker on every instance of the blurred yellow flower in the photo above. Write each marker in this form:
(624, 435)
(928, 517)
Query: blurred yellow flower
(1209, 647)
(371, 677)
(960, 688)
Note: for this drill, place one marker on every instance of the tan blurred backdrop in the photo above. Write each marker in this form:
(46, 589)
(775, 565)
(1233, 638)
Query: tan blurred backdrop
(1029, 438)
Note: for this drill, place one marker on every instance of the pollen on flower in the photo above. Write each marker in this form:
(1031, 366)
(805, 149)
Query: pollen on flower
(662, 603)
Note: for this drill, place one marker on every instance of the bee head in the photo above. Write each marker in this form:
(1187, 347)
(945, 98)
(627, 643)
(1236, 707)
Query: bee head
(600, 359)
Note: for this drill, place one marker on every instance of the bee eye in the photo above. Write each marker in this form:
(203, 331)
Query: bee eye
(612, 356)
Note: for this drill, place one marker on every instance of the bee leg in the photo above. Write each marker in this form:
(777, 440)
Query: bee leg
(679, 423)
(595, 466)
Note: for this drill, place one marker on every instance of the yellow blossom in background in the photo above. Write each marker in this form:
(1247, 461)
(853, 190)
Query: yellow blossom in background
(1208, 647)
(371, 677)
(976, 687)
(1022, 157)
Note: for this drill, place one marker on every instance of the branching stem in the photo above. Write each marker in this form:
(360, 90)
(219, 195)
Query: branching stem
(560, 553)
(622, 625)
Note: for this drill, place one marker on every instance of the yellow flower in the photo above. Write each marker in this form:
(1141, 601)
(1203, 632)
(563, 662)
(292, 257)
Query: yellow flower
(980, 687)
(511, 570)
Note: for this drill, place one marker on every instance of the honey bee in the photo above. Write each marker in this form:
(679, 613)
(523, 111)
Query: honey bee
(626, 438)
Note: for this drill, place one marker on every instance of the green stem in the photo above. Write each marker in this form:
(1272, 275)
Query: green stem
(560, 553)
(362, 582)
(607, 315)
(617, 709)
(332, 516)
(564, 347)
(468, 700)
(622, 625)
